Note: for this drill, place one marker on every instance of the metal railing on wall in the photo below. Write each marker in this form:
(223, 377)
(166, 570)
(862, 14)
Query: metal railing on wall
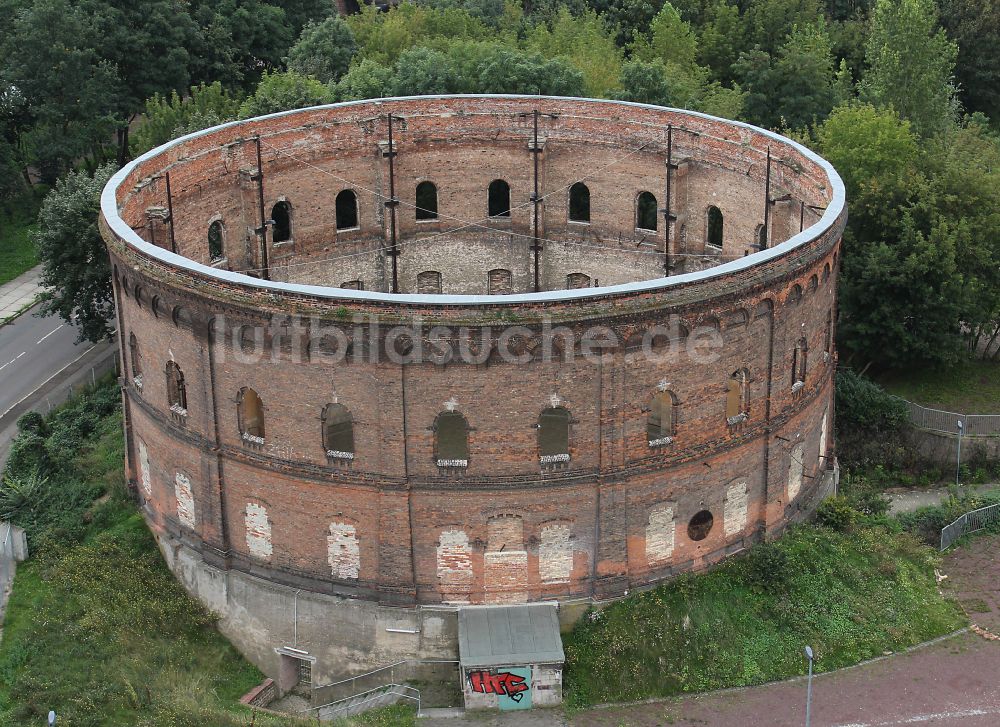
(946, 422)
(970, 522)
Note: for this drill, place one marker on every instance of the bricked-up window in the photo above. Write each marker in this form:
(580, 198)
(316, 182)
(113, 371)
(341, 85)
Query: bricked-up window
(579, 203)
(662, 420)
(281, 216)
(828, 333)
(714, 227)
(176, 391)
(799, 362)
(250, 413)
(553, 433)
(738, 395)
(700, 525)
(577, 280)
(451, 439)
(215, 246)
(429, 281)
(427, 201)
(347, 210)
(500, 282)
(645, 213)
(338, 431)
(135, 359)
(499, 198)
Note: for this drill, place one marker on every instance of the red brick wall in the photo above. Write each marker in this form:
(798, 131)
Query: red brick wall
(393, 495)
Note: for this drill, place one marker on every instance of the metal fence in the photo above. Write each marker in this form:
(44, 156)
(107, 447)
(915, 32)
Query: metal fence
(970, 522)
(938, 420)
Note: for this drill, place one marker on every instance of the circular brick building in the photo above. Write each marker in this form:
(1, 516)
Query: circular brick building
(469, 350)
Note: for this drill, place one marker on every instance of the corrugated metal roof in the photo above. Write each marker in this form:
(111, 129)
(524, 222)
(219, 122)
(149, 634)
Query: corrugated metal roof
(509, 635)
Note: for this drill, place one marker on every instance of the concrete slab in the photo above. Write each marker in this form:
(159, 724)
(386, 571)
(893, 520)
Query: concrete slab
(20, 292)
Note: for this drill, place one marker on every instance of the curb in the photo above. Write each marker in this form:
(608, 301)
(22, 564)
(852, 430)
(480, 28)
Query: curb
(14, 316)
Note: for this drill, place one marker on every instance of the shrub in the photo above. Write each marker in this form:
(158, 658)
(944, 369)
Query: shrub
(836, 513)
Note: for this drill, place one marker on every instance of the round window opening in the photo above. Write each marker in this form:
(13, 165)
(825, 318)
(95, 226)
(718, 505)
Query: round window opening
(700, 525)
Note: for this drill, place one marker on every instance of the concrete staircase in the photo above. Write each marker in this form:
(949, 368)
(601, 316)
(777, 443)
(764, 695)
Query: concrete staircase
(381, 696)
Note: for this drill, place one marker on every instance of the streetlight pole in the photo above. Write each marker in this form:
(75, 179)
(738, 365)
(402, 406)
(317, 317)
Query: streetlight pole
(958, 466)
(809, 683)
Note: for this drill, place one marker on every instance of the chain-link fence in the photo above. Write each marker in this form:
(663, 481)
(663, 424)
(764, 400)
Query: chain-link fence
(938, 420)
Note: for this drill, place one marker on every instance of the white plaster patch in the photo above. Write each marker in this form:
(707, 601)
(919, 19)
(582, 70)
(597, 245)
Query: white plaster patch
(185, 500)
(454, 565)
(555, 554)
(343, 552)
(795, 470)
(258, 529)
(822, 441)
(660, 535)
(735, 514)
(144, 475)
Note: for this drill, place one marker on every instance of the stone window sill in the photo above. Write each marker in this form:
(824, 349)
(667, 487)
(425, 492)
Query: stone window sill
(219, 262)
(660, 442)
(453, 463)
(335, 454)
(737, 420)
(550, 459)
(253, 439)
(137, 382)
(798, 386)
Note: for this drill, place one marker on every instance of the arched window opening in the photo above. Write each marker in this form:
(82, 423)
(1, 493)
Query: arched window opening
(799, 363)
(714, 227)
(250, 413)
(338, 432)
(347, 210)
(451, 440)
(579, 203)
(281, 216)
(176, 391)
(553, 435)
(429, 281)
(662, 420)
(427, 201)
(500, 282)
(577, 280)
(738, 396)
(828, 333)
(646, 217)
(135, 359)
(700, 525)
(761, 237)
(216, 249)
(499, 198)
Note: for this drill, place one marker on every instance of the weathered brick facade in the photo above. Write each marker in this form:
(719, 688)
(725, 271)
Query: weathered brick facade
(389, 520)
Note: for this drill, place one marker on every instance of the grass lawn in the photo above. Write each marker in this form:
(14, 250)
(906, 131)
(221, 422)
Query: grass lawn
(17, 252)
(97, 627)
(970, 387)
(850, 595)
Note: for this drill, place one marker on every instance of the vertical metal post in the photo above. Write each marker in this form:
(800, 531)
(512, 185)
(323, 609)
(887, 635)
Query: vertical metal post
(809, 684)
(802, 215)
(667, 216)
(170, 214)
(767, 204)
(958, 465)
(262, 230)
(391, 204)
(535, 245)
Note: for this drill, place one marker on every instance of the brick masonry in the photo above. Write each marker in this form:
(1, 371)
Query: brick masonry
(390, 525)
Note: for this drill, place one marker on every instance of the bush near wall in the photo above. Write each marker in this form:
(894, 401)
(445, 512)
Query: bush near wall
(851, 594)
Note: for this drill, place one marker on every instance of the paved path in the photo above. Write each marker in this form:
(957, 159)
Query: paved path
(907, 500)
(19, 292)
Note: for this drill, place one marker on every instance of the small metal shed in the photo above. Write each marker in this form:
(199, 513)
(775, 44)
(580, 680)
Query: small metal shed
(511, 656)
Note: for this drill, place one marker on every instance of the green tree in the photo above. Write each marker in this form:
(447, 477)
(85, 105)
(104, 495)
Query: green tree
(794, 90)
(147, 43)
(168, 118)
(424, 71)
(324, 50)
(910, 64)
(721, 39)
(586, 43)
(365, 79)
(51, 58)
(630, 17)
(505, 70)
(769, 22)
(76, 268)
(646, 82)
(975, 26)
(283, 91)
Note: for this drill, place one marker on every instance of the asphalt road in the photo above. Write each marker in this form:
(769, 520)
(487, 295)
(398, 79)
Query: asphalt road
(32, 350)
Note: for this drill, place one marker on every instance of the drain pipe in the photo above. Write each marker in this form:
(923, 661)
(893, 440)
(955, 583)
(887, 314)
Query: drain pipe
(295, 618)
